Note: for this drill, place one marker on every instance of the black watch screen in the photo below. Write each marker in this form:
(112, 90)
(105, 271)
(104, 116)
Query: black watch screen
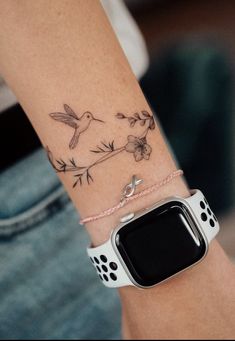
(161, 243)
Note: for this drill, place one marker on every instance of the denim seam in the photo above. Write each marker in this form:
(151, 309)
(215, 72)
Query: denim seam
(39, 212)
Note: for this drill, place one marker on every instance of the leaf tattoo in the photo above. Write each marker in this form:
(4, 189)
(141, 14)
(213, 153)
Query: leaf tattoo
(143, 118)
(104, 148)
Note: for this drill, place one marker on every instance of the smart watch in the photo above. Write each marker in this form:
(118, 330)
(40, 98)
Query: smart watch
(152, 245)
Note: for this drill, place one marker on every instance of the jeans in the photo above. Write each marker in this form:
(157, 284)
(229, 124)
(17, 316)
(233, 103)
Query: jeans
(48, 288)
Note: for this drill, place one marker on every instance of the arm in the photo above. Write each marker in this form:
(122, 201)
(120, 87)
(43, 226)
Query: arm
(60, 52)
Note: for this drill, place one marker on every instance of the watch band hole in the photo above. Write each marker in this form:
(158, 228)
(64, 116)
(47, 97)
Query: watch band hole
(113, 276)
(103, 258)
(96, 260)
(105, 268)
(113, 266)
(203, 206)
(204, 216)
(212, 223)
(106, 278)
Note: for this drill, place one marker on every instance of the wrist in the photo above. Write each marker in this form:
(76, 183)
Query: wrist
(100, 230)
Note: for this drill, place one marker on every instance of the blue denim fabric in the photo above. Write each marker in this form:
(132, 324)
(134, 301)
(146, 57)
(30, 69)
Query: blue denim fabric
(48, 288)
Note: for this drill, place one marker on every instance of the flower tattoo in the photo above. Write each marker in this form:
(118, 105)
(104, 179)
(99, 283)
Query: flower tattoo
(137, 145)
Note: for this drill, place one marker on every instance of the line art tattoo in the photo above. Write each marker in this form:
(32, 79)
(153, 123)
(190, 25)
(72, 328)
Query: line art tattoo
(79, 124)
(137, 145)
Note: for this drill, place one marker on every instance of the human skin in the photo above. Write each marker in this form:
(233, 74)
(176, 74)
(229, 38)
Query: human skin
(57, 52)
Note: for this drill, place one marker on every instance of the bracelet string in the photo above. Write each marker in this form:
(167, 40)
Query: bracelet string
(124, 201)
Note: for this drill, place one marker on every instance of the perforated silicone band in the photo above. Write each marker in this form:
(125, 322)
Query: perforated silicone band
(108, 262)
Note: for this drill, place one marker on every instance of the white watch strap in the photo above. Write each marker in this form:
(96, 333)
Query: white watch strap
(108, 266)
(203, 214)
(107, 263)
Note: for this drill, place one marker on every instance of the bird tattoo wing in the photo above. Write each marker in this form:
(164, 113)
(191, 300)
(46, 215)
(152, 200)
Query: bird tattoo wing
(69, 111)
(64, 118)
(69, 117)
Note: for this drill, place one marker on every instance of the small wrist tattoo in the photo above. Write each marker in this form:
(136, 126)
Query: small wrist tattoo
(79, 124)
(137, 145)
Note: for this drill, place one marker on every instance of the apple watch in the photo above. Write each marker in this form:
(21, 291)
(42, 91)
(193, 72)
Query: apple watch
(152, 245)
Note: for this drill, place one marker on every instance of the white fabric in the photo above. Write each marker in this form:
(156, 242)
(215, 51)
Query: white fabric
(128, 35)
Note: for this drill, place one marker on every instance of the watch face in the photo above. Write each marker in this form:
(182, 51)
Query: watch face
(160, 244)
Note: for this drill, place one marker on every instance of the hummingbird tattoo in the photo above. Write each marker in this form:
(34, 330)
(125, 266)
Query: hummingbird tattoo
(79, 124)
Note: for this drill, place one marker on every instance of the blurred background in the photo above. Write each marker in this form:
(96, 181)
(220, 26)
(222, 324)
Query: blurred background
(190, 86)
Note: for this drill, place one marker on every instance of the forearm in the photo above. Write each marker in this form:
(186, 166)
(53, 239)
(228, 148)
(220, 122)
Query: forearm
(67, 53)
(60, 52)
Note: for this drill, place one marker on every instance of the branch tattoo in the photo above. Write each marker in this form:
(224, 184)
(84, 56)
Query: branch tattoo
(137, 145)
(79, 124)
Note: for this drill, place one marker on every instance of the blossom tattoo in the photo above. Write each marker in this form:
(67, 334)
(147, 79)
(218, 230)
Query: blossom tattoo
(137, 145)
(79, 124)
